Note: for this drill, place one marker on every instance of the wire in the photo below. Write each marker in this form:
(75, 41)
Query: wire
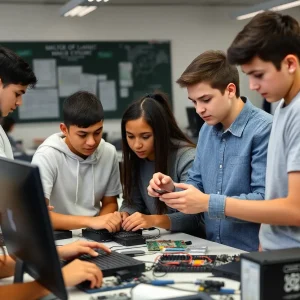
(148, 236)
(155, 274)
(180, 289)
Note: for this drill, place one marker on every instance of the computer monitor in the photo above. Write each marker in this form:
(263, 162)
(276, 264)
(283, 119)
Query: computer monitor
(26, 226)
(195, 121)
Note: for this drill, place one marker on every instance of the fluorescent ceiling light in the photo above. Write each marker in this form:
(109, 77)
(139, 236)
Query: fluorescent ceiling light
(286, 6)
(73, 12)
(79, 8)
(274, 5)
(250, 15)
(87, 10)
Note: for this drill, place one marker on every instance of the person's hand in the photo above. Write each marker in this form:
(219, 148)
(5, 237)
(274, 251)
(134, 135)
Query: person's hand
(124, 215)
(160, 181)
(189, 201)
(50, 207)
(111, 222)
(78, 271)
(137, 221)
(72, 250)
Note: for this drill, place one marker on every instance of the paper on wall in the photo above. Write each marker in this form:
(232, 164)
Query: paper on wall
(39, 104)
(108, 95)
(125, 74)
(124, 92)
(45, 71)
(102, 77)
(69, 80)
(88, 82)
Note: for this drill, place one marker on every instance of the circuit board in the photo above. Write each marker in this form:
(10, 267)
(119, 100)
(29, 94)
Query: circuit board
(159, 245)
(113, 283)
(190, 263)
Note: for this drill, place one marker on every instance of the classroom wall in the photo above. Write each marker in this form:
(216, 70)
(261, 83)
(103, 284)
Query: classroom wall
(191, 29)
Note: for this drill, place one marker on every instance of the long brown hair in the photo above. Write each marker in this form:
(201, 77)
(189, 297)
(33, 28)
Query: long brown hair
(156, 111)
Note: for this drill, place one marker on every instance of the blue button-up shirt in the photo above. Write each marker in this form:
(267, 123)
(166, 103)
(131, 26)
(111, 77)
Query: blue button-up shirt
(232, 163)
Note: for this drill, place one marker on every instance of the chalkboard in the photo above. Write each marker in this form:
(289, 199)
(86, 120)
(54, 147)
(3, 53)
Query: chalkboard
(117, 72)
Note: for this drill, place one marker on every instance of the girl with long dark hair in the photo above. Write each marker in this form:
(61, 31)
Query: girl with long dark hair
(152, 142)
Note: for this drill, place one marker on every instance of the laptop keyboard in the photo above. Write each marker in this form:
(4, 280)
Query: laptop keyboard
(110, 263)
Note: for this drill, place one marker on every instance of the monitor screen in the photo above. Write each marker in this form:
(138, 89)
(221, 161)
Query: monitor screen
(26, 225)
(195, 121)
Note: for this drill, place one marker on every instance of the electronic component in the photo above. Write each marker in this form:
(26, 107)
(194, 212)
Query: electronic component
(133, 253)
(115, 283)
(271, 274)
(231, 270)
(125, 238)
(199, 296)
(185, 262)
(62, 234)
(101, 235)
(197, 250)
(129, 238)
(158, 245)
(120, 296)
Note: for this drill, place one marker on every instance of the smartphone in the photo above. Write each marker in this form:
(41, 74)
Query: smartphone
(161, 191)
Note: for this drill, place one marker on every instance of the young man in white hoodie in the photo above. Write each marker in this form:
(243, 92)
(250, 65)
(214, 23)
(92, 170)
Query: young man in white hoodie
(79, 170)
(15, 76)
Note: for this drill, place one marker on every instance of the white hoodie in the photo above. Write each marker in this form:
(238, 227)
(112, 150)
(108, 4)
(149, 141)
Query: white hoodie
(5, 147)
(75, 185)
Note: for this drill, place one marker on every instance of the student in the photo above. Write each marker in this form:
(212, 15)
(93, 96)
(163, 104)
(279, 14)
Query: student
(15, 77)
(74, 273)
(268, 50)
(8, 124)
(152, 142)
(79, 170)
(231, 152)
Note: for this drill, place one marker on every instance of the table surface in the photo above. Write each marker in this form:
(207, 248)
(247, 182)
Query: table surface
(144, 291)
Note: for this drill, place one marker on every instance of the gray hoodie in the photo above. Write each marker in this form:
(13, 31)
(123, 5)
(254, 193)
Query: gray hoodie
(75, 185)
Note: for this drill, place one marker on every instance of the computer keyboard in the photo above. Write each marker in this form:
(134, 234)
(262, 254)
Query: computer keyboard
(113, 262)
(62, 234)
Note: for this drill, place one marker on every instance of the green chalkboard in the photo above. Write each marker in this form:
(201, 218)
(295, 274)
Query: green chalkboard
(118, 72)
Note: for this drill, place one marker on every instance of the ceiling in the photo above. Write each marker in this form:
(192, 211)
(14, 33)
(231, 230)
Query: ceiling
(149, 2)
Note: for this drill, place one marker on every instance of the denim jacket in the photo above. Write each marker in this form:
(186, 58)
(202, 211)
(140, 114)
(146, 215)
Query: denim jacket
(232, 163)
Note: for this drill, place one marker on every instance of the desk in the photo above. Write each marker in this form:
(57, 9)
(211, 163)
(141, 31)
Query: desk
(144, 292)
(147, 292)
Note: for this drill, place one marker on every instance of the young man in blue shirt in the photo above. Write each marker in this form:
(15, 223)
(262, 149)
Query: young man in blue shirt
(231, 152)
